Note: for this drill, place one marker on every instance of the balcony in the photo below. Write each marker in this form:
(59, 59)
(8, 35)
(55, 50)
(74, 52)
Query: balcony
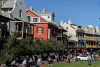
(91, 38)
(81, 46)
(72, 46)
(97, 46)
(81, 38)
(17, 34)
(80, 31)
(90, 46)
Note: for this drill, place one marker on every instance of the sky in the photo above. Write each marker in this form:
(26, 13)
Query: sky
(81, 12)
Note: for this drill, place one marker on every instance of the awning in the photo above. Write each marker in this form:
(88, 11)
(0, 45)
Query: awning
(84, 50)
(78, 49)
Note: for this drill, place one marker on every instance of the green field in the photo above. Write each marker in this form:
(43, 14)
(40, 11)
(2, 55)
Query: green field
(76, 64)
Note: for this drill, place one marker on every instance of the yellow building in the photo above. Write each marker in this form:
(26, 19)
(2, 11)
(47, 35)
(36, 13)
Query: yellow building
(90, 42)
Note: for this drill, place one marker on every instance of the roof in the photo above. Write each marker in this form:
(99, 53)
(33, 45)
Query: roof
(38, 15)
(44, 13)
(4, 18)
(9, 4)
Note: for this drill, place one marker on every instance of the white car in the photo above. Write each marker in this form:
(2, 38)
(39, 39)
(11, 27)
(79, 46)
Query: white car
(82, 57)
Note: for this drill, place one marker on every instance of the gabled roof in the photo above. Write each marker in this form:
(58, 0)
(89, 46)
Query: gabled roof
(9, 4)
(38, 15)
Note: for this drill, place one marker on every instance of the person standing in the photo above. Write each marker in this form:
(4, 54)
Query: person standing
(92, 58)
(31, 61)
(36, 58)
(27, 61)
(69, 57)
(49, 60)
(89, 60)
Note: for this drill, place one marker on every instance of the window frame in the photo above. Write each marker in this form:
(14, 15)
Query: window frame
(30, 18)
(39, 30)
(36, 18)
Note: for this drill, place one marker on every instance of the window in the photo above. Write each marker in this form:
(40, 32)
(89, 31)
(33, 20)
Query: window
(35, 19)
(48, 16)
(19, 27)
(39, 29)
(29, 18)
(5, 10)
(0, 32)
(20, 13)
(66, 28)
(28, 30)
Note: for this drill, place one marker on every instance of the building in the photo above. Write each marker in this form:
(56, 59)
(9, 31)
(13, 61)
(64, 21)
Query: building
(92, 36)
(16, 10)
(71, 35)
(44, 25)
(81, 38)
(2, 2)
(4, 31)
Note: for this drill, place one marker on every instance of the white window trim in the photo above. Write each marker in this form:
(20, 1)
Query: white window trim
(41, 30)
(35, 17)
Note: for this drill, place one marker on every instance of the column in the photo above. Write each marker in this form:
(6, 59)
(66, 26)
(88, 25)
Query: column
(22, 29)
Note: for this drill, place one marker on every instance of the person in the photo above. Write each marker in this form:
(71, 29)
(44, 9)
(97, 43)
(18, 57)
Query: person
(69, 57)
(49, 60)
(89, 60)
(31, 60)
(92, 58)
(13, 63)
(24, 62)
(27, 61)
(57, 58)
(36, 58)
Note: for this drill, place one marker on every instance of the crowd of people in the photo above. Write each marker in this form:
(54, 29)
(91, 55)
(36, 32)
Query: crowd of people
(35, 61)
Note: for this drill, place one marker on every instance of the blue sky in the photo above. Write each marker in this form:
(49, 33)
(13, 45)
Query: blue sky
(81, 12)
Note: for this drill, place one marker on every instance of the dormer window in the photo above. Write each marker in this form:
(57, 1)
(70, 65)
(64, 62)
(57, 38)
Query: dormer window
(5, 10)
(29, 18)
(35, 19)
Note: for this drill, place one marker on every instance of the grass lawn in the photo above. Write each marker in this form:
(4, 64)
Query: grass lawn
(76, 64)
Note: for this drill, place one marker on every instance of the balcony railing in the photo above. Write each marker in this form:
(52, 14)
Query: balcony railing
(80, 31)
(81, 38)
(17, 34)
(72, 46)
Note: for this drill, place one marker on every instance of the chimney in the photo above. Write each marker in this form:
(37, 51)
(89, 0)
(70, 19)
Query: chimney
(44, 10)
(31, 8)
(61, 22)
(69, 21)
(38, 11)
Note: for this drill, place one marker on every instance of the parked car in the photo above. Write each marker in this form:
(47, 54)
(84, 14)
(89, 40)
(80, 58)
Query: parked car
(82, 57)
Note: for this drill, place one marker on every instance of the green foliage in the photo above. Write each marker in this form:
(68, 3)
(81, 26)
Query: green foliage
(95, 57)
(14, 48)
(9, 50)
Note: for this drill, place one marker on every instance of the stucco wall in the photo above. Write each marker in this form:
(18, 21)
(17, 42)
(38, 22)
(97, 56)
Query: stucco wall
(43, 35)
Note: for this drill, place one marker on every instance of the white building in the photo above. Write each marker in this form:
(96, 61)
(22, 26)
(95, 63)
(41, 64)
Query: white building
(71, 34)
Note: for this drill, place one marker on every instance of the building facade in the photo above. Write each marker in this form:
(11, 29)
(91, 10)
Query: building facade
(44, 25)
(16, 10)
(71, 35)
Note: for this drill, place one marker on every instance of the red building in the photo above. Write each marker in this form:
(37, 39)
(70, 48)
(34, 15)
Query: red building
(44, 25)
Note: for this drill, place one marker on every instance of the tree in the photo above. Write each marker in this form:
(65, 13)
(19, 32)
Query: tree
(9, 50)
